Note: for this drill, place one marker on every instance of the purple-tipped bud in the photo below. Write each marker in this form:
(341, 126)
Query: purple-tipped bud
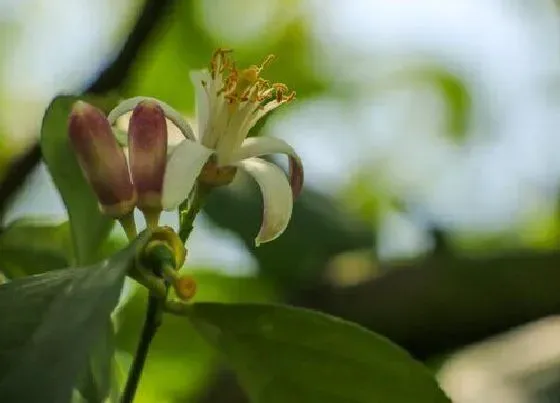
(101, 159)
(147, 142)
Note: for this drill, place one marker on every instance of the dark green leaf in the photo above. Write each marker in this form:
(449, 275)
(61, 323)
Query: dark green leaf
(28, 247)
(286, 354)
(89, 227)
(50, 323)
(97, 381)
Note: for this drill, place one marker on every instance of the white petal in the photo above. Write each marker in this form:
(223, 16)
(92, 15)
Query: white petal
(259, 113)
(202, 98)
(277, 197)
(258, 146)
(182, 169)
(129, 104)
(234, 134)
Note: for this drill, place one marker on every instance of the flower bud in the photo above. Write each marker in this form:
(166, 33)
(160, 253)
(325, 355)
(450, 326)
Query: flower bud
(172, 240)
(101, 159)
(185, 287)
(147, 142)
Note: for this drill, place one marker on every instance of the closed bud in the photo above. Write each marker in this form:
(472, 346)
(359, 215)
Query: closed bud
(185, 287)
(147, 142)
(101, 159)
(172, 240)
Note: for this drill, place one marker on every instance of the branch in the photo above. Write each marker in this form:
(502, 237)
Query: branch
(151, 325)
(16, 175)
(113, 77)
(439, 305)
(117, 72)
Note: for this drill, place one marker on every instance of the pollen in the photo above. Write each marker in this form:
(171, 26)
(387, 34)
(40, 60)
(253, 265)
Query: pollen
(239, 86)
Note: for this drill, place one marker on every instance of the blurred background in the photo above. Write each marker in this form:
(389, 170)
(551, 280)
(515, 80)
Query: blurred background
(429, 134)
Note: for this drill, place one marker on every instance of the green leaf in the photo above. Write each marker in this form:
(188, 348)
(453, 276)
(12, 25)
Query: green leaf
(50, 323)
(99, 378)
(287, 354)
(28, 247)
(180, 361)
(89, 227)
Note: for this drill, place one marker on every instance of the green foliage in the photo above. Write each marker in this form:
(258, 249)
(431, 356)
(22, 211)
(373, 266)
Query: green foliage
(50, 322)
(100, 379)
(28, 247)
(453, 90)
(360, 196)
(319, 229)
(88, 226)
(180, 361)
(286, 354)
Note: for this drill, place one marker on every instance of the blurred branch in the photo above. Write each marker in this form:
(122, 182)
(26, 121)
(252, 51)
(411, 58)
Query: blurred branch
(428, 307)
(111, 78)
(16, 174)
(439, 305)
(117, 72)
(319, 229)
(435, 306)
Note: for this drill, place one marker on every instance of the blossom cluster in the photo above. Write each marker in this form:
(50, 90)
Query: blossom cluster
(229, 102)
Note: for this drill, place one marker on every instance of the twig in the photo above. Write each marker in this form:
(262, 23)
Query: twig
(116, 73)
(16, 174)
(188, 213)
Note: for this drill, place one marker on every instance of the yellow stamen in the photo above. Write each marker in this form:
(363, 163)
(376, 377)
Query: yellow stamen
(266, 62)
(246, 85)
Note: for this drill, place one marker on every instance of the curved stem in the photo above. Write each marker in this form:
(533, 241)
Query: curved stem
(187, 213)
(129, 226)
(151, 324)
(156, 303)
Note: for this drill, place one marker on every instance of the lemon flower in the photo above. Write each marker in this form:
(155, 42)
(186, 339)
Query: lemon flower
(229, 102)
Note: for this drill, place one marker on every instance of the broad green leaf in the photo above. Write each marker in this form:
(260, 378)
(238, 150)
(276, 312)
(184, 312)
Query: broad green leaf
(28, 247)
(50, 323)
(180, 361)
(98, 380)
(283, 354)
(89, 227)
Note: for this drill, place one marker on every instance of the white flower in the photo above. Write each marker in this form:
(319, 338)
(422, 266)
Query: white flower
(229, 103)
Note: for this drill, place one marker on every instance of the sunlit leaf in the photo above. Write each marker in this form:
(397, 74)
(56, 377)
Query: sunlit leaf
(286, 354)
(89, 227)
(49, 324)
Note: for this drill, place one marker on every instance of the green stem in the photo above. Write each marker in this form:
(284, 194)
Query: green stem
(187, 213)
(151, 324)
(156, 303)
(129, 226)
